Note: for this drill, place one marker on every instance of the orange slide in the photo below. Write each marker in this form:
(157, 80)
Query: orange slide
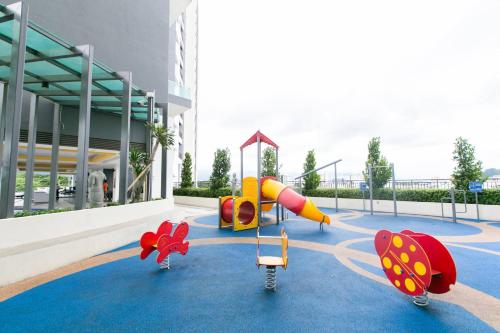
(288, 198)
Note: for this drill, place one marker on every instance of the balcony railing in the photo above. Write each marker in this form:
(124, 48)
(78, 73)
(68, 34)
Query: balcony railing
(178, 90)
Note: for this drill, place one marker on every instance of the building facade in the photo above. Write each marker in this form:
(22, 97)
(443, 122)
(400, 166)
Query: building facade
(156, 42)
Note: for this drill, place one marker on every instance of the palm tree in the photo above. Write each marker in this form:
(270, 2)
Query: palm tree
(140, 161)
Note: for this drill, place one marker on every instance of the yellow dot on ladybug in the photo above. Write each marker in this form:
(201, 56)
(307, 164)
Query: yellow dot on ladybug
(397, 269)
(405, 257)
(397, 241)
(410, 285)
(412, 248)
(420, 268)
(397, 283)
(387, 262)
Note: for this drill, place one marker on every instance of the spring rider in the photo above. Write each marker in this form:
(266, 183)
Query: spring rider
(272, 262)
(415, 263)
(165, 243)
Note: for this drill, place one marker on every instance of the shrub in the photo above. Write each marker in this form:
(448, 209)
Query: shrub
(312, 180)
(40, 212)
(204, 192)
(220, 169)
(187, 172)
(488, 197)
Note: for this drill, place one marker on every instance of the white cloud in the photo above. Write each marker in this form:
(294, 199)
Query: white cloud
(329, 75)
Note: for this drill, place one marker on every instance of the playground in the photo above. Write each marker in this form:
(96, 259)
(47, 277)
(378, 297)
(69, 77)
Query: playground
(333, 282)
(274, 262)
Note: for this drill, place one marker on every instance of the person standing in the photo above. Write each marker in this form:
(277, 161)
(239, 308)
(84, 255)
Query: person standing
(105, 187)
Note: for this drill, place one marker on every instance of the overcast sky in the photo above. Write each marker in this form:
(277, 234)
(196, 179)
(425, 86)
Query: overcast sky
(329, 75)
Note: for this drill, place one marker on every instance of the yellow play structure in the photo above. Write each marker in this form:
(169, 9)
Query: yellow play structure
(272, 262)
(260, 194)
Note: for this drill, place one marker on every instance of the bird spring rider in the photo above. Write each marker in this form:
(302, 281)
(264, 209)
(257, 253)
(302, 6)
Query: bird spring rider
(415, 263)
(272, 262)
(165, 243)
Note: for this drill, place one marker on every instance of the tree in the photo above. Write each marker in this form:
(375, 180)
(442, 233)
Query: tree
(138, 161)
(220, 169)
(381, 171)
(163, 137)
(312, 180)
(187, 172)
(269, 162)
(467, 168)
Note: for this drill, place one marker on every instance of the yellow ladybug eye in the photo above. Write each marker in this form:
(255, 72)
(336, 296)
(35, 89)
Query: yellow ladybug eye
(397, 241)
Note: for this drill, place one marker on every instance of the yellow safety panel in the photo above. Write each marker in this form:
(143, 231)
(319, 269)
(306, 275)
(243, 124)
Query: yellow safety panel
(250, 187)
(237, 225)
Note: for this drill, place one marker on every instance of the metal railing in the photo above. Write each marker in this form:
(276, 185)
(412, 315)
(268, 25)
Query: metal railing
(401, 184)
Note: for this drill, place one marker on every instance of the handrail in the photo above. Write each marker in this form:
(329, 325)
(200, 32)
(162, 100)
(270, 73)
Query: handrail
(317, 169)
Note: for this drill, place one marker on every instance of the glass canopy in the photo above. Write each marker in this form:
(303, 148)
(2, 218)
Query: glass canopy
(53, 70)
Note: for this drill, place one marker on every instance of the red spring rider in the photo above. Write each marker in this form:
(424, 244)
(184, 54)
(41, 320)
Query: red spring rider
(165, 243)
(415, 263)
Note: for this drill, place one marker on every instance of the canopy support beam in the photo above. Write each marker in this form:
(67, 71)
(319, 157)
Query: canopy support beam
(125, 136)
(83, 127)
(13, 108)
(54, 158)
(30, 161)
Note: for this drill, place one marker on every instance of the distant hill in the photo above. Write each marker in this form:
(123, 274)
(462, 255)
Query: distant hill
(491, 172)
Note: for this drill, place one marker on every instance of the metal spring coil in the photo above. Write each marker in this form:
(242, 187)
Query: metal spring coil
(270, 278)
(165, 264)
(421, 300)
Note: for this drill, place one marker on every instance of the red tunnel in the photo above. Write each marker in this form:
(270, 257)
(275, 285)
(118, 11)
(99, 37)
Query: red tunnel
(245, 215)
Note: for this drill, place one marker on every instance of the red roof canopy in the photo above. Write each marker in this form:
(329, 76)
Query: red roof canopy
(255, 137)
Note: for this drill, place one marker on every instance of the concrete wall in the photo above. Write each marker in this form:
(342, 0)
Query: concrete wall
(37, 244)
(486, 212)
(128, 35)
(196, 201)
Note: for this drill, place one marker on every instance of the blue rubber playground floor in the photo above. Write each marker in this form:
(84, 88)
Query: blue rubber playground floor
(218, 288)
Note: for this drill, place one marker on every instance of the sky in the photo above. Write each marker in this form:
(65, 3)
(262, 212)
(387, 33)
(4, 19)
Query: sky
(330, 75)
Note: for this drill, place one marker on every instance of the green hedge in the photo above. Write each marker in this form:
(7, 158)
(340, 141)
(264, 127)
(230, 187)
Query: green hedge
(488, 197)
(40, 212)
(204, 192)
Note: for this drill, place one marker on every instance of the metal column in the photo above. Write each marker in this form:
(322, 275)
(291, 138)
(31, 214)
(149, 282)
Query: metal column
(453, 203)
(125, 135)
(83, 126)
(241, 170)
(3, 98)
(259, 208)
(336, 189)
(13, 108)
(164, 157)
(54, 160)
(394, 198)
(277, 178)
(149, 145)
(30, 161)
(370, 174)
